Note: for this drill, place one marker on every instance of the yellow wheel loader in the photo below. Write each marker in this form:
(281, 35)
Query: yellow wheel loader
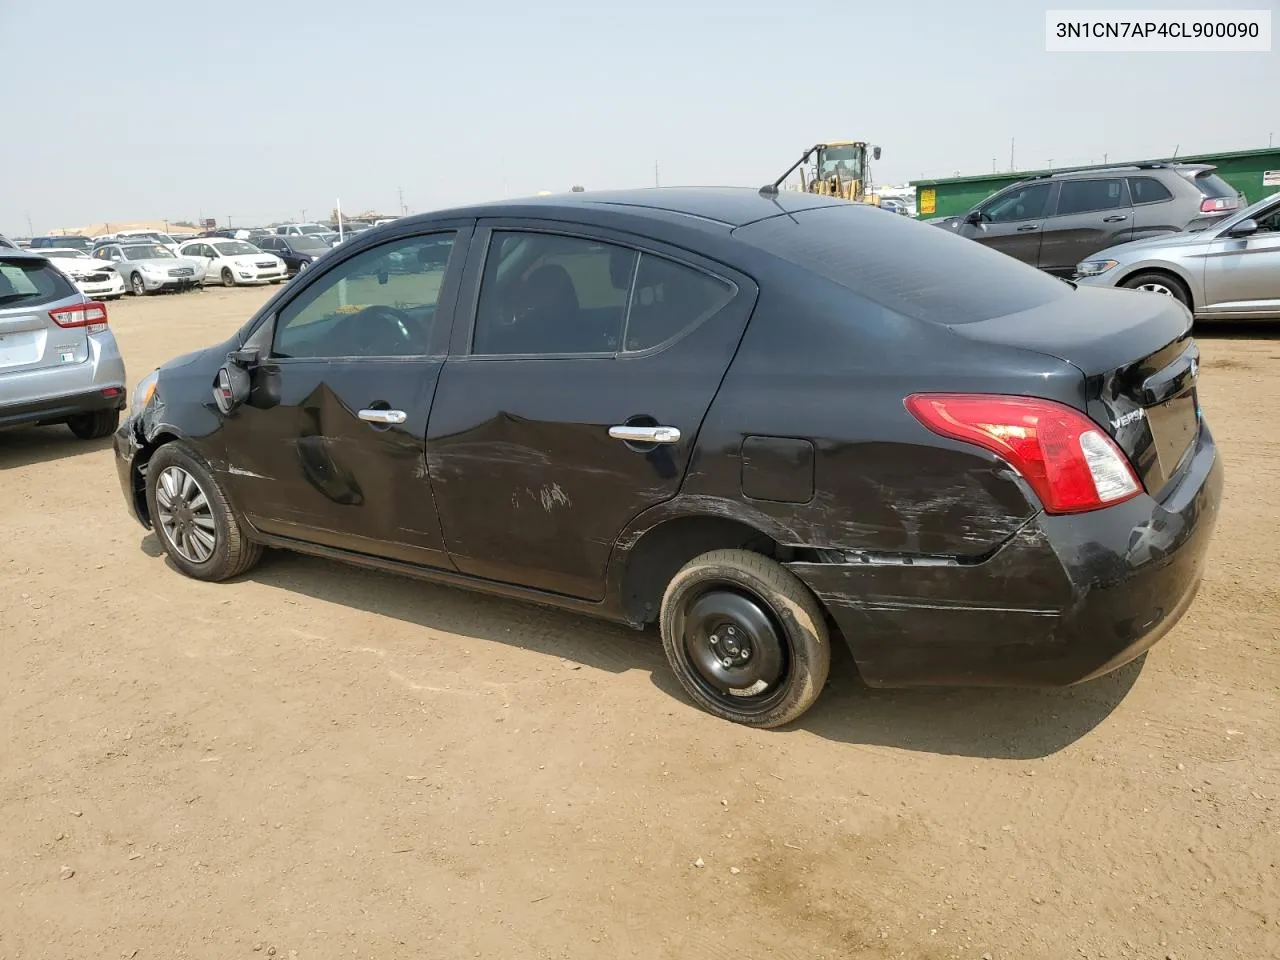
(840, 169)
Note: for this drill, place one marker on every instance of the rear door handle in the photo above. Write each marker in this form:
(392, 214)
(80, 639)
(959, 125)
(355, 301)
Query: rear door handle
(1115, 219)
(383, 416)
(645, 434)
(1028, 227)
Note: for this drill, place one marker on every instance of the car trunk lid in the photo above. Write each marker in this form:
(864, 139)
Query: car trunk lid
(1140, 365)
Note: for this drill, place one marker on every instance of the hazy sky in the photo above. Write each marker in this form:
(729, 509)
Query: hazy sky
(259, 110)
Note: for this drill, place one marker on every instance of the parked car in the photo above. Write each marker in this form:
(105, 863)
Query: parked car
(298, 252)
(150, 267)
(1055, 220)
(69, 242)
(92, 277)
(325, 233)
(59, 362)
(141, 236)
(737, 416)
(7, 244)
(233, 262)
(1230, 271)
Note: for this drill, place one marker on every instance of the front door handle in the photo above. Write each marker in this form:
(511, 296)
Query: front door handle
(645, 434)
(383, 416)
(1030, 226)
(1115, 219)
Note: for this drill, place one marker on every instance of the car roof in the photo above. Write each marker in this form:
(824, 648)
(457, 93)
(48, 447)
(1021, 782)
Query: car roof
(728, 206)
(22, 253)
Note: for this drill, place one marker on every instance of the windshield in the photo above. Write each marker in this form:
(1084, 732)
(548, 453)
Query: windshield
(846, 161)
(31, 282)
(1212, 185)
(314, 228)
(77, 243)
(236, 248)
(146, 251)
(308, 243)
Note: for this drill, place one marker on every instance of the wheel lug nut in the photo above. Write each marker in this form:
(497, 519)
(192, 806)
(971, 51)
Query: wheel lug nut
(744, 653)
(726, 662)
(731, 631)
(714, 639)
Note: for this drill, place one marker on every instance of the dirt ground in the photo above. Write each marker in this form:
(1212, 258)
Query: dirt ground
(320, 762)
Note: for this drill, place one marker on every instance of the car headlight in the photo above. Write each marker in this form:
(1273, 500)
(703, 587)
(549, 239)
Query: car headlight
(143, 392)
(1091, 268)
(149, 269)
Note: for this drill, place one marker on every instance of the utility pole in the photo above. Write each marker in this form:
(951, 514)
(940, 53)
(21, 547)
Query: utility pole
(31, 231)
(1011, 154)
(1051, 163)
(993, 164)
(400, 194)
(304, 214)
(1269, 136)
(656, 181)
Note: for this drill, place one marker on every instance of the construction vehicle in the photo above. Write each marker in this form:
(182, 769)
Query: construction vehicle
(840, 169)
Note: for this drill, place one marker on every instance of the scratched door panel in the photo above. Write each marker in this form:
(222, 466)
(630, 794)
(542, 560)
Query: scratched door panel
(309, 468)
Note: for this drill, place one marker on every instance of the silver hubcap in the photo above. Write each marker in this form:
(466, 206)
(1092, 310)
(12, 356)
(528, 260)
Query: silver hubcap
(1156, 288)
(185, 515)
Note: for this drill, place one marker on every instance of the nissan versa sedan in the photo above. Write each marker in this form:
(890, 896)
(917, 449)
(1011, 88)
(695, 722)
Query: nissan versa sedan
(1230, 271)
(749, 417)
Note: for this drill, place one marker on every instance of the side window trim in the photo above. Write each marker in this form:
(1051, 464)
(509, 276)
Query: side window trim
(481, 245)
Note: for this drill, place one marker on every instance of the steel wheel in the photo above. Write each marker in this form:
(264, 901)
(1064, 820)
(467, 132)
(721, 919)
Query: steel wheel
(738, 652)
(185, 515)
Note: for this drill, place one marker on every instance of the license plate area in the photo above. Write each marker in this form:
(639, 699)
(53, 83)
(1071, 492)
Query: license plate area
(21, 349)
(1174, 426)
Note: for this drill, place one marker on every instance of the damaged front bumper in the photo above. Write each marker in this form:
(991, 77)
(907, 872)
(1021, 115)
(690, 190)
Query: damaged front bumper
(131, 468)
(1064, 600)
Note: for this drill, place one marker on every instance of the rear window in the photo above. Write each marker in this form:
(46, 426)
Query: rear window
(1212, 185)
(913, 269)
(31, 283)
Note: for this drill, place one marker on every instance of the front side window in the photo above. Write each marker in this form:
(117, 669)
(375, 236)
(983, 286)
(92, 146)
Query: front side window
(379, 303)
(1090, 196)
(545, 293)
(1023, 203)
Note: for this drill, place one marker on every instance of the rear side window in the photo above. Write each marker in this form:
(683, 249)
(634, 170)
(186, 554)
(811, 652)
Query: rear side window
(1086, 196)
(1148, 190)
(916, 270)
(31, 283)
(668, 299)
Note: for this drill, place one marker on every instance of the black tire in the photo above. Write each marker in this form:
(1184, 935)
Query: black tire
(94, 426)
(233, 552)
(228, 278)
(707, 596)
(1163, 281)
(136, 286)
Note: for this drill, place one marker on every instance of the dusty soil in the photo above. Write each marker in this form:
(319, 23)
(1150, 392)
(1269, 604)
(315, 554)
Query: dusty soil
(321, 762)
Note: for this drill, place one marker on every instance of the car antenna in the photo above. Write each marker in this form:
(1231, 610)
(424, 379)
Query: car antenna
(771, 189)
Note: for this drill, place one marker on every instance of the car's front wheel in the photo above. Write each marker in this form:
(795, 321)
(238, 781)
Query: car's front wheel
(137, 286)
(94, 426)
(746, 639)
(228, 278)
(1159, 283)
(191, 516)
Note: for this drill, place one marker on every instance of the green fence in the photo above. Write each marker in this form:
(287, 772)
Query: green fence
(1255, 173)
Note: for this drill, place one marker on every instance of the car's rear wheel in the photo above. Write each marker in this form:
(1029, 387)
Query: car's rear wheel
(136, 285)
(191, 516)
(228, 278)
(1161, 283)
(94, 426)
(746, 639)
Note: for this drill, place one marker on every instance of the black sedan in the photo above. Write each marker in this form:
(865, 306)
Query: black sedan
(297, 252)
(759, 420)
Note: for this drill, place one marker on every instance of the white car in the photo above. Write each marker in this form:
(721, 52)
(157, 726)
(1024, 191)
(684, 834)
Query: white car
(234, 262)
(158, 237)
(94, 278)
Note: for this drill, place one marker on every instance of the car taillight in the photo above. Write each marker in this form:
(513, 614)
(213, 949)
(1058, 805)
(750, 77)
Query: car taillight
(92, 316)
(1218, 204)
(1066, 458)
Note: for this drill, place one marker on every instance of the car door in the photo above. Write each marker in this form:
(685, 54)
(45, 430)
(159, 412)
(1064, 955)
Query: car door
(1242, 274)
(1012, 221)
(1090, 215)
(329, 447)
(573, 395)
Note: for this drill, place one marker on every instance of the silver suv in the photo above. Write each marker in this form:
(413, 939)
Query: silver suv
(1055, 220)
(59, 362)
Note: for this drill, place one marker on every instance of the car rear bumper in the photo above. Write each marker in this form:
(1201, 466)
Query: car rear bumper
(49, 394)
(1065, 600)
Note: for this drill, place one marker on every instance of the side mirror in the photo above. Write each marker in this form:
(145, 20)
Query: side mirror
(231, 387)
(875, 153)
(973, 216)
(1245, 228)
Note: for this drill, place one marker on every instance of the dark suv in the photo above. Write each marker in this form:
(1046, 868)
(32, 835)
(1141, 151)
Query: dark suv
(1055, 220)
